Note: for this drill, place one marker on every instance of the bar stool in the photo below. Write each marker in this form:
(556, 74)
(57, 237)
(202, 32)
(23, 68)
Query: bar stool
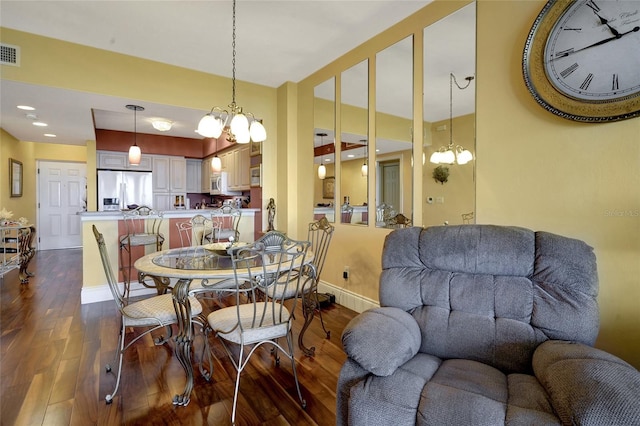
(142, 227)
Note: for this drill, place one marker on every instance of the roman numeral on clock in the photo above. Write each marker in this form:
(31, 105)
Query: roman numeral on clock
(569, 70)
(587, 81)
(614, 82)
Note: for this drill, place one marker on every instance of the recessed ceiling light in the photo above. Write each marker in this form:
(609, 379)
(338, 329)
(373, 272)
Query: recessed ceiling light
(50, 135)
(26, 107)
(40, 124)
(162, 125)
(350, 155)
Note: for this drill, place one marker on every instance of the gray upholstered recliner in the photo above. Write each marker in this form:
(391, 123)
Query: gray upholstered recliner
(483, 325)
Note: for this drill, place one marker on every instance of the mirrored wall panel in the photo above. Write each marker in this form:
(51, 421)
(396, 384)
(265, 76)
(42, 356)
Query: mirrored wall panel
(324, 150)
(449, 119)
(354, 145)
(394, 130)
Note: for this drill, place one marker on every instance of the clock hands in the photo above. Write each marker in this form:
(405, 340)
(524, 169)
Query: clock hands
(594, 7)
(617, 36)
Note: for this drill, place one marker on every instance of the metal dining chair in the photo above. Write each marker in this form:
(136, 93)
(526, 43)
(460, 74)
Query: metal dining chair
(142, 227)
(149, 314)
(203, 230)
(226, 220)
(254, 321)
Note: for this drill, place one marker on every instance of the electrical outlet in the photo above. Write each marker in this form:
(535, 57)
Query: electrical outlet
(345, 273)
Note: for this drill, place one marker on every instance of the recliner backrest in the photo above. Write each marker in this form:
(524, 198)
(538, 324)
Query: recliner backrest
(491, 293)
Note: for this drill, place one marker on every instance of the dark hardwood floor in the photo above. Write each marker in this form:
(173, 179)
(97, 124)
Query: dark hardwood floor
(53, 351)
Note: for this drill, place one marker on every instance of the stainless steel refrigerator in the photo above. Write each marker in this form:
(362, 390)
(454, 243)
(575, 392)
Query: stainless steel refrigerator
(119, 189)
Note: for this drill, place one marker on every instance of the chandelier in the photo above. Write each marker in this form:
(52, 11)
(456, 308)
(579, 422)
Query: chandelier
(240, 127)
(451, 154)
(134, 150)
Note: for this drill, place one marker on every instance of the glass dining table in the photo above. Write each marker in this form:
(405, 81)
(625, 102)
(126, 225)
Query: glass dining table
(209, 270)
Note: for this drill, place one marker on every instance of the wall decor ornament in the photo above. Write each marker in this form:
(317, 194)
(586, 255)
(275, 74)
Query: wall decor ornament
(441, 174)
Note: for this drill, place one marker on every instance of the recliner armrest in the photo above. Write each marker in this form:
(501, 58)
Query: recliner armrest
(382, 339)
(587, 385)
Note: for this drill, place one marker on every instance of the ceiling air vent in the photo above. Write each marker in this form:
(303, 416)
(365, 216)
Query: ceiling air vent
(9, 55)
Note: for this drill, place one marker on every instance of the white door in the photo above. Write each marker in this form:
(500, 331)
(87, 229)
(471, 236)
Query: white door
(62, 193)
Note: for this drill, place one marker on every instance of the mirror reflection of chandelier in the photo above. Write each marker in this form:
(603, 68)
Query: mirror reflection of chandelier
(240, 127)
(451, 154)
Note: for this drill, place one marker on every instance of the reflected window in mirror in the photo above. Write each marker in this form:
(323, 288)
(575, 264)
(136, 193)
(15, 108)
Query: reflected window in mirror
(354, 145)
(324, 151)
(394, 135)
(449, 118)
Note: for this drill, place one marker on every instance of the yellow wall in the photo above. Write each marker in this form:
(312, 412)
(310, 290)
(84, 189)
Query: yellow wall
(29, 153)
(538, 170)
(533, 169)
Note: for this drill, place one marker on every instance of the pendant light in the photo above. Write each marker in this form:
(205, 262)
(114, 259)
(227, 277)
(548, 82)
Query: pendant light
(216, 162)
(365, 169)
(134, 150)
(236, 123)
(322, 170)
(451, 154)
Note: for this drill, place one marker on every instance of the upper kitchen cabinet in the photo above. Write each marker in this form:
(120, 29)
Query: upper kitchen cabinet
(194, 176)
(169, 181)
(112, 160)
(205, 184)
(236, 163)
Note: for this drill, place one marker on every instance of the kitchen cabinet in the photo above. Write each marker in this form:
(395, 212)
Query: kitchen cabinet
(169, 181)
(194, 176)
(206, 175)
(242, 164)
(237, 163)
(113, 160)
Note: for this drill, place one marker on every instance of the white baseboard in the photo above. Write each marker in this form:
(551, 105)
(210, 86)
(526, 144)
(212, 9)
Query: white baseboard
(102, 293)
(344, 297)
(347, 298)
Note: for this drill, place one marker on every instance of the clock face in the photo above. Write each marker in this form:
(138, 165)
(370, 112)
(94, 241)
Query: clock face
(582, 59)
(593, 51)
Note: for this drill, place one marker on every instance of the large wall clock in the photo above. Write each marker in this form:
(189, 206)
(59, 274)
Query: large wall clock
(581, 60)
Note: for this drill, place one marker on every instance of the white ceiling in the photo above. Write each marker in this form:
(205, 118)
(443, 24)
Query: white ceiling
(290, 39)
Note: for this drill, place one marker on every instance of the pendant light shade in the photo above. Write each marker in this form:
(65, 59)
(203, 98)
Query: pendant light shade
(365, 168)
(135, 154)
(322, 171)
(216, 164)
(240, 127)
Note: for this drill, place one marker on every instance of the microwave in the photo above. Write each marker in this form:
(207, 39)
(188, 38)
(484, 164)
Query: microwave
(220, 184)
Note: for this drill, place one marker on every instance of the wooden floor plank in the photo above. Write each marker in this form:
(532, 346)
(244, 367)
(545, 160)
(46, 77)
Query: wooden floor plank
(53, 353)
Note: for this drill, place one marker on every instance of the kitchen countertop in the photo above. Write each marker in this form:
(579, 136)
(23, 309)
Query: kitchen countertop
(117, 215)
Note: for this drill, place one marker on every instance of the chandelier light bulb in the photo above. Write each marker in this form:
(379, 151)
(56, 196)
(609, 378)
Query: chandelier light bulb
(257, 131)
(210, 126)
(239, 123)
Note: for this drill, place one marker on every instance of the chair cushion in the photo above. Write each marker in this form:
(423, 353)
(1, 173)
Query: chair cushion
(141, 239)
(382, 339)
(225, 323)
(156, 310)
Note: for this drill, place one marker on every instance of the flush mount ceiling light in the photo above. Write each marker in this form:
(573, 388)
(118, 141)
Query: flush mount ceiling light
(322, 170)
(161, 125)
(451, 154)
(237, 124)
(134, 150)
(26, 108)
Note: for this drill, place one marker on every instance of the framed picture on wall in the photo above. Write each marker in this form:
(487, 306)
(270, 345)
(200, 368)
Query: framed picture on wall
(328, 187)
(255, 148)
(15, 177)
(256, 175)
